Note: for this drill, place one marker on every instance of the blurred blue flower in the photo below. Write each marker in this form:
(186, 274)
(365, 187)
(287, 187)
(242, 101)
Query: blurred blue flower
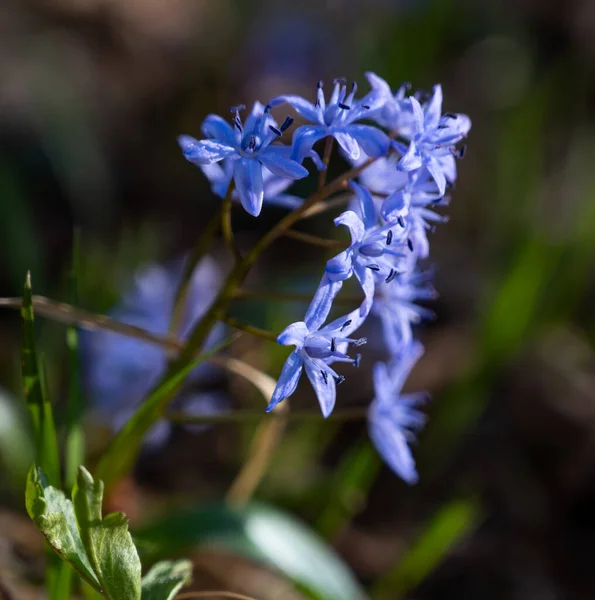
(433, 140)
(249, 148)
(337, 119)
(393, 417)
(120, 370)
(316, 349)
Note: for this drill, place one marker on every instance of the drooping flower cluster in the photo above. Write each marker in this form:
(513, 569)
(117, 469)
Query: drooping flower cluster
(413, 147)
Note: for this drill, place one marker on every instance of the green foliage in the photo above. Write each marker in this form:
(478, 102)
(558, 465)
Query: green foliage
(99, 548)
(263, 534)
(165, 579)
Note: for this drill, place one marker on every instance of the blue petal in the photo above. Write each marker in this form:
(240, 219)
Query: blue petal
(412, 160)
(396, 205)
(355, 225)
(434, 109)
(366, 280)
(304, 138)
(294, 335)
(325, 387)
(436, 172)
(204, 152)
(321, 303)
(348, 144)
(275, 162)
(418, 114)
(372, 140)
(340, 267)
(218, 128)
(302, 106)
(378, 84)
(247, 174)
(391, 444)
(288, 380)
(402, 365)
(367, 206)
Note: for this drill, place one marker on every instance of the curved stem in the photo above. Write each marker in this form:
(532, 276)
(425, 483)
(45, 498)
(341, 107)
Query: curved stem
(251, 329)
(226, 223)
(326, 158)
(313, 240)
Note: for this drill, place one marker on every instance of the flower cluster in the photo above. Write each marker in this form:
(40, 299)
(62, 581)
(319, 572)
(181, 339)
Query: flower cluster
(408, 150)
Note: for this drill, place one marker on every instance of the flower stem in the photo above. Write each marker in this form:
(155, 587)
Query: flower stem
(242, 294)
(226, 223)
(313, 240)
(251, 329)
(326, 158)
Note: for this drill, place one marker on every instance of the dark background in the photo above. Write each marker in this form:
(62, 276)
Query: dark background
(92, 96)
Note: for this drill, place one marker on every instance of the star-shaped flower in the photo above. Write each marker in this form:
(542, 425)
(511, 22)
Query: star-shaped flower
(249, 147)
(393, 417)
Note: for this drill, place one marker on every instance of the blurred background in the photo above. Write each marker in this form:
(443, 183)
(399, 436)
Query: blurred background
(93, 94)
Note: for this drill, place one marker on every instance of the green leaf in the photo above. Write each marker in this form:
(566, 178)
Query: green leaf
(121, 454)
(40, 410)
(264, 535)
(54, 514)
(107, 541)
(452, 521)
(165, 580)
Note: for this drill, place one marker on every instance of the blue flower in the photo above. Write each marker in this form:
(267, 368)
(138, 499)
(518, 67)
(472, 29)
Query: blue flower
(393, 417)
(433, 139)
(373, 253)
(337, 119)
(119, 370)
(316, 349)
(249, 148)
(395, 305)
(394, 111)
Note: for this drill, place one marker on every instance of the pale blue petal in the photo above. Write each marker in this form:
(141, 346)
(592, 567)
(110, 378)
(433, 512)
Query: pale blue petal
(434, 109)
(355, 225)
(412, 159)
(367, 207)
(322, 301)
(288, 380)
(281, 166)
(340, 267)
(436, 172)
(325, 388)
(294, 335)
(371, 140)
(303, 107)
(402, 365)
(218, 128)
(378, 84)
(418, 114)
(366, 280)
(204, 152)
(396, 205)
(247, 174)
(348, 144)
(304, 138)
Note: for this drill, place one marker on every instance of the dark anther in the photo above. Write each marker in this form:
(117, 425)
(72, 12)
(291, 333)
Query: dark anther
(344, 106)
(393, 273)
(357, 360)
(237, 108)
(410, 244)
(360, 342)
(275, 131)
(389, 237)
(320, 84)
(341, 80)
(443, 126)
(462, 151)
(252, 143)
(238, 125)
(287, 123)
(339, 379)
(366, 106)
(317, 104)
(353, 87)
(373, 267)
(324, 376)
(450, 115)
(333, 344)
(267, 109)
(401, 221)
(346, 324)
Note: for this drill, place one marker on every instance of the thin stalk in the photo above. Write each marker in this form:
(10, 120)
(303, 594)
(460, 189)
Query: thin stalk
(226, 223)
(326, 158)
(313, 240)
(243, 294)
(321, 207)
(251, 329)
(201, 248)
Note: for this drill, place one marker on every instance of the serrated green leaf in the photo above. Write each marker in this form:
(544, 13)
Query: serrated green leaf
(40, 410)
(264, 535)
(54, 514)
(107, 541)
(165, 579)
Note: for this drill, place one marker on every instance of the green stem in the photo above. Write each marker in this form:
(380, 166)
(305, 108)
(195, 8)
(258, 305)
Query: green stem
(313, 240)
(251, 329)
(226, 223)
